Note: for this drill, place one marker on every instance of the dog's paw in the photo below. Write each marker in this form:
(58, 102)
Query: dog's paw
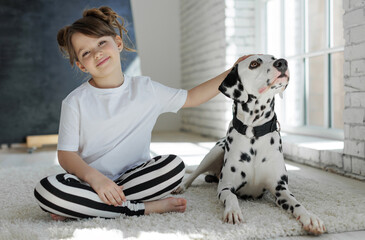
(311, 223)
(179, 190)
(233, 217)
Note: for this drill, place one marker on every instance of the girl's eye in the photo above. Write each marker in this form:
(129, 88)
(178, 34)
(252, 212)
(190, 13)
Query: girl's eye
(254, 64)
(102, 42)
(85, 54)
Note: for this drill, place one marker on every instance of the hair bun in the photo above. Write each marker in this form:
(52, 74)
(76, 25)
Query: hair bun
(103, 13)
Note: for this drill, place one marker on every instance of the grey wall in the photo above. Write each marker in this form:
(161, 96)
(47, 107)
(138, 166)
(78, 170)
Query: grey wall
(34, 77)
(157, 26)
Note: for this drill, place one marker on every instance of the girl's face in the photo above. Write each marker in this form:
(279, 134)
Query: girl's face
(98, 56)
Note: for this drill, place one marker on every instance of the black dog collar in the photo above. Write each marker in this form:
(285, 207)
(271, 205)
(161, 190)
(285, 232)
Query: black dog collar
(257, 131)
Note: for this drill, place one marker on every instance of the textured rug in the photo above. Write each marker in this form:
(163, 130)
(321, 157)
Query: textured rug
(21, 218)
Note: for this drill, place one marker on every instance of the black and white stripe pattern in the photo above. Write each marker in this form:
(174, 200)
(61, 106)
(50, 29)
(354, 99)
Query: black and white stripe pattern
(66, 195)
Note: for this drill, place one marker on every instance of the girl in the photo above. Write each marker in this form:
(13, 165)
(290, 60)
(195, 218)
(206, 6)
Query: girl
(105, 130)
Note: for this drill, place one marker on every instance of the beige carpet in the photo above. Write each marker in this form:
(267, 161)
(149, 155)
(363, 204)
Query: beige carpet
(21, 218)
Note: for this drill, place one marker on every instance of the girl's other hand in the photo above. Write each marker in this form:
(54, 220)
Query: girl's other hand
(108, 191)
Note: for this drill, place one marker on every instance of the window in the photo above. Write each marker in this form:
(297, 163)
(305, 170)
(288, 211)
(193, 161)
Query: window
(309, 34)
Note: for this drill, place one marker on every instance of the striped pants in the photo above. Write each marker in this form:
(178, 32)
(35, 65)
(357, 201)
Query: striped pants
(66, 195)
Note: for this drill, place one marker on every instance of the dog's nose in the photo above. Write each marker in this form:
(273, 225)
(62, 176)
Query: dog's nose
(281, 65)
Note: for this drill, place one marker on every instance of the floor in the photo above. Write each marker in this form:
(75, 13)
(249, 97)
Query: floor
(191, 148)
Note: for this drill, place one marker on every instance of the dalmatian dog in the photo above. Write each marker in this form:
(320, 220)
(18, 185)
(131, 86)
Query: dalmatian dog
(249, 160)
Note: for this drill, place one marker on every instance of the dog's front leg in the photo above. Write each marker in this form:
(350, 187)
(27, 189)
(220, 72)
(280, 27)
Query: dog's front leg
(232, 211)
(286, 200)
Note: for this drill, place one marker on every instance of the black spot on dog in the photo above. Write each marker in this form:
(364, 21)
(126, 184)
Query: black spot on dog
(291, 195)
(268, 100)
(256, 118)
(277, 194)
(252, 141)
(280, 149)
(264, 159)
(272, 141)
(280, 188)
(291, 209)
(250, 97)
(219, 196)
(227, 147)
(245, 107)
(230, 139)
(230, 129)
(282, 201)
(251, 113)
(243, 174)
(285, 206)
(298, 205)
(246, 197)
(221, 176)
(272, 104)
(245, 157)
(263, 107)
(252, 151)
(231, 78)
(285, 178)
(280, 141)
(211, 179)
(267, 115)
(233, 190)
(236, 93)
(256, 111)
(241, 186)
(257, 102)
(233, 169)
(240, 87)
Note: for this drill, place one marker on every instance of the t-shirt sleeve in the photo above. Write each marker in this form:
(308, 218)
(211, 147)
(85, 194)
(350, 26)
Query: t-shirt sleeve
(170, 99)
(68, 133)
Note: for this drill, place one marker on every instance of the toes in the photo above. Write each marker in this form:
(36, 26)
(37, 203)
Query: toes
(233, 218)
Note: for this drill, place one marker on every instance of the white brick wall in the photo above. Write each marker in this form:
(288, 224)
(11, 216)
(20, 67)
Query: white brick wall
(214, 33)
(354, 74)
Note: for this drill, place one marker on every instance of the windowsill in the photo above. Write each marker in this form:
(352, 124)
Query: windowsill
(326, 154)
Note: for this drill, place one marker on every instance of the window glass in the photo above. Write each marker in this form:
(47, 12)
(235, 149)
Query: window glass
(316, 25)
(338, 91)
(273, 28)
(337, 23)
(294, 95)
(316, 90)
(294, 27)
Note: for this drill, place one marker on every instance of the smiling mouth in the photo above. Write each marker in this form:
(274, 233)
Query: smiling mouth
(103, 61)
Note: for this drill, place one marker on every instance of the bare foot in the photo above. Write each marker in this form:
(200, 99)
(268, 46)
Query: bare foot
(170, 204)
(57, 217)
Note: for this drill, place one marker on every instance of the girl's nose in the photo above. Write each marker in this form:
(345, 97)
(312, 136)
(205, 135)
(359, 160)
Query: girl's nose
(98, 54)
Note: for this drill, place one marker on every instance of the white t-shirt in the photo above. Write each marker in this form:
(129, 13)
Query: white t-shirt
(111, 128)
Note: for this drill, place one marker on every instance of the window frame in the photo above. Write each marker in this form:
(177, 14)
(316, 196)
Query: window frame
(327, 131)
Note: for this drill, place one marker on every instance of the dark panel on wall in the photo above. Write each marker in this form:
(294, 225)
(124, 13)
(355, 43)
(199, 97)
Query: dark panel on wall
(34, 76)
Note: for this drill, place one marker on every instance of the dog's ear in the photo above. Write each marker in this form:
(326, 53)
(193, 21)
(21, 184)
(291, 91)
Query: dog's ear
(232, 86)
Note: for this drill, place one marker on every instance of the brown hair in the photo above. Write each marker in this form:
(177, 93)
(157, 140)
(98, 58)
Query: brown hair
(96, 22)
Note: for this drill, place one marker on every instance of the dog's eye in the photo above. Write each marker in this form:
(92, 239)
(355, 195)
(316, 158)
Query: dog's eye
(254, 64)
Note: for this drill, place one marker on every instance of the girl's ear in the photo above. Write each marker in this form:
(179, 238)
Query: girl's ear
(81, 67)
(118, 40)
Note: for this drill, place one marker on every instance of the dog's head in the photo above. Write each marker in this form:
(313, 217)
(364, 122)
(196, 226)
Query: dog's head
(257, 75)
